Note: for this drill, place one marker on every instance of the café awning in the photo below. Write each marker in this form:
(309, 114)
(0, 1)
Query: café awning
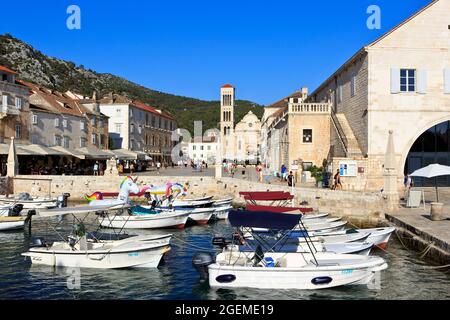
(93, 153)
(124, 154)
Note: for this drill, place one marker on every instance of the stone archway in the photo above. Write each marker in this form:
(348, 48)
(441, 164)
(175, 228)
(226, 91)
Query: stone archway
(430, 145)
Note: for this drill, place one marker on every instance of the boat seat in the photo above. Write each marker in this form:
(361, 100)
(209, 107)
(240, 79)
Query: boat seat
(291, 261)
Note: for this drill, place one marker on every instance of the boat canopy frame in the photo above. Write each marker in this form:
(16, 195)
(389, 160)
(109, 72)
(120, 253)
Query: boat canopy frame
(246, 221)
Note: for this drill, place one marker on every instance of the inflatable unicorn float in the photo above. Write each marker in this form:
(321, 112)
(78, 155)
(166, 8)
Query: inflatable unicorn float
(128, 188)
(141, 217)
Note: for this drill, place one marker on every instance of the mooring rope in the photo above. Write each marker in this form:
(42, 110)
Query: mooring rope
(193, 245)
(414, 262)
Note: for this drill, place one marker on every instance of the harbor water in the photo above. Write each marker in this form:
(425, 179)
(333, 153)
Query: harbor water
(177, 279)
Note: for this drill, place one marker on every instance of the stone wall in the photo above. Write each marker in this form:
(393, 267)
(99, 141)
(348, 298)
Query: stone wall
(344, 203)
(78, 186)
(5, 185)
(359, 205)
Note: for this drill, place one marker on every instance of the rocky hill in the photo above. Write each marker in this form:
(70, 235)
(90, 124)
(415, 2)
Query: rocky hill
(34, 66)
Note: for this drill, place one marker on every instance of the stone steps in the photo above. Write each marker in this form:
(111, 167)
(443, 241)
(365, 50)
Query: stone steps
(353, 149)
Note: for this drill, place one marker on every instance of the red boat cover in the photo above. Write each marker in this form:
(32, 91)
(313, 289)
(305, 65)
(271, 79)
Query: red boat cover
(269, 197)
(252, 207)
(248, 193)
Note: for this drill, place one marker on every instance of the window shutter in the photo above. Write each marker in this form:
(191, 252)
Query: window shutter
(395, 80)
(422, 81)
(447, 81)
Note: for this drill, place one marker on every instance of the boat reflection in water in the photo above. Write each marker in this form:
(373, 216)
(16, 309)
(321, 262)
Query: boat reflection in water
(87, 283)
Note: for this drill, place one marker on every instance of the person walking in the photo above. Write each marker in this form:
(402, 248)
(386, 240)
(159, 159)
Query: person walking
(283, 172)
(96, 168)
(158, 166)
(290, 179)
(266, 174)
(259, 172)
(337, 181)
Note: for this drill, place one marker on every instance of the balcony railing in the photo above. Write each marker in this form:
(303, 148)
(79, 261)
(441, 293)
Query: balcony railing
(323, 108)
(9, 110)
(302, 108)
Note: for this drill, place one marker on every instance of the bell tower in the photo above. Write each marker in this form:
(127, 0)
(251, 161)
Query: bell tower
(227, 120)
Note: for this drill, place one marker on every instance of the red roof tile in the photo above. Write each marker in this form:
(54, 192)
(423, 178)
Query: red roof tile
(7, 70)
(227, 86)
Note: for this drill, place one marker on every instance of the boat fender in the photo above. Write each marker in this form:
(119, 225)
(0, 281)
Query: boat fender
(226, 278)
(321, 280)
(201, 261)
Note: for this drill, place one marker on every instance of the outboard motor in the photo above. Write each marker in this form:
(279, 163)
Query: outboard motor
(15, 210)
(201, 261)
(61, 201)
(37, 242)
(24, 196)
(220, 242)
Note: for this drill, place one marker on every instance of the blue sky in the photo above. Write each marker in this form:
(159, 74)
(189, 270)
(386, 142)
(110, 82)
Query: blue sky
(267, 49)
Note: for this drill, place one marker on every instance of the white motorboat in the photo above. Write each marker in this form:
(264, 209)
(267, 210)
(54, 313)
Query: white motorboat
(362, 248)
(31, 203)
(378, 236)
(185, 204)
(82, 250)
(313, 216)
(320, 220)
(12, 223)
(281, 270)
(4, 210)
(344, 238)
(156, 219)
(315, 227)
(327, 239)
(103, 254)
(222, 202)
(11, 219)
(221, 213)
(264, 269)
(201, 215)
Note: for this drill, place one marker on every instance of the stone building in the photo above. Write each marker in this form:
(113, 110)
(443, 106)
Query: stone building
(61, 119)
(136, 126)
(399, 82)
(14, 108)
(203, 149)
(296, 132)
(240, 142)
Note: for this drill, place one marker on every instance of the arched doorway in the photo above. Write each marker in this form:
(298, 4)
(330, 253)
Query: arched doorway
(432, 146)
